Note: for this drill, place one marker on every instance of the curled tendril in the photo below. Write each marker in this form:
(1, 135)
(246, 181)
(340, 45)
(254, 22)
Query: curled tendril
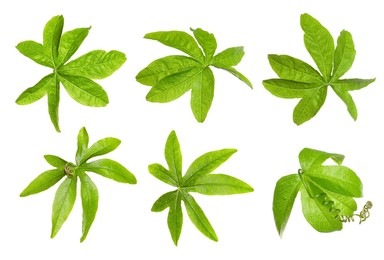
(69, 169)
(363, 215)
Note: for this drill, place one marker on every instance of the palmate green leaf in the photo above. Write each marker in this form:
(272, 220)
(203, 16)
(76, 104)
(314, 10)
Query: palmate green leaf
(197, 179)
(327, 192)
(163, 67)
(56, 50)
(90, 202)
(300, 80)
(43, 182)
(66, 193)
(283, 198)
(62, 205)
(172, 76)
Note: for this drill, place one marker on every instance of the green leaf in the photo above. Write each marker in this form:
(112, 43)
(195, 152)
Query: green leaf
(164, 201)
(284, 197)
(63, 203)
(346, 205)
(337, 179)
(35, 52)
(175, 218)
(110, 169)
(162, 174)
(174, 86)
(289, 68)
(51, 37)
(312, 158)
(238, 75)
(161, 68)
(319, 215)
(76, 76)
(43, 182)
(85, 91)
(348, 101)
(202, 95)
(178, 40)
(228, 58)
(96, 64)
(319, 43)
(101, 147)
(344, 55)
(89, 201)
(309, 106)
(82, 144)
(353, 84)
(32, 94)
(197, 216)
(173, 157)
(55, 161)
(206, 164)
(218, 184)
(70, 42)
(53, 104)
(300, 80)
(283, 88)
(207, 41)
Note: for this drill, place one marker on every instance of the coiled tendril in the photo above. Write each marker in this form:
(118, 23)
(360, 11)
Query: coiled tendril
(363, 215)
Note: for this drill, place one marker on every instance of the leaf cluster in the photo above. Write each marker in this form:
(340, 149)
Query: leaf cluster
(298, 79)
(198, 178)
(327, 192)
(172, 76)
(66, 193)
(76, 75)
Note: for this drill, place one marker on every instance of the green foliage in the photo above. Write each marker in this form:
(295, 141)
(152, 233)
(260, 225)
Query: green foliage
(298, 79)
(76, 75)
(327, 192)
(172, 76)
(66, 193)
(198, 178)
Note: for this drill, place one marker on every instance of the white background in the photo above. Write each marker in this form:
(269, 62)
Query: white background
(258, 124)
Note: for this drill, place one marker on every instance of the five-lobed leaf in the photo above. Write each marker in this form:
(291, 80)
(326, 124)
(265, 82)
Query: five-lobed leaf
(76, 76)
(66, 193)
(198, 178)
(300, 80)
(327, 192)
(172, 76)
